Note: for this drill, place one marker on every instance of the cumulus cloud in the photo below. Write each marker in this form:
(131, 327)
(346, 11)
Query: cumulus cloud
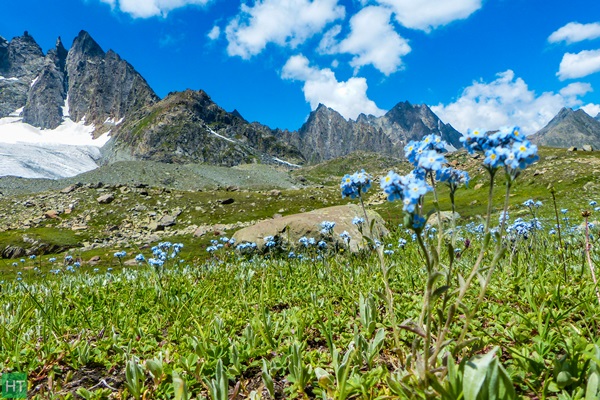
(349, 98)
(283, 22)
(373, 40)
(578, 65)
(507, 101)
(151, 8)
(575, 32)
(428, 14)
(591, 109)
(214, 33)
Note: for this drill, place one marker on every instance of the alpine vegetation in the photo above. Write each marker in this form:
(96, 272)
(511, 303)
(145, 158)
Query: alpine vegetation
(502, 306)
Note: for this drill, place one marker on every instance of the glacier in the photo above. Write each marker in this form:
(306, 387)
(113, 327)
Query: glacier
(30, 152)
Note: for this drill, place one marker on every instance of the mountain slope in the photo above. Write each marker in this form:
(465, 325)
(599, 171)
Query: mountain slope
(189, 127)
(569, 128)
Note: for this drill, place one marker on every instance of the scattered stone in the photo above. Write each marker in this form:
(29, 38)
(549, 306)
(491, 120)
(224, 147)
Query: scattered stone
(550, 158)
(13, 252)
(478, 186)
(587, 147)
(446, 218)
(71, 188)
(51, 214)
(79, 227)
(106, 198)
(165, 221)
(572, 148)
(226, 201)
(275, 193)
(94, 260)
(232, 188)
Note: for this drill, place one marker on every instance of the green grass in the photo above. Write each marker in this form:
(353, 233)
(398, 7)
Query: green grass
(223, 325)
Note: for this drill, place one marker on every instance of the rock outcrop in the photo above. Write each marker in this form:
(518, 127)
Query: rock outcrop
(21, 60)
(48, 91)
(289, 229)
(102, 87)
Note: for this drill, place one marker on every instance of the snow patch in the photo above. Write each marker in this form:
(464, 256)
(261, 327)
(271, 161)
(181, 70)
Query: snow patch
(65, 108)
(286, 163)
(13, 130)
(31, 152)
(17, 112)
(221, 136)
(34, 81)
(111, 120)
(52, 161)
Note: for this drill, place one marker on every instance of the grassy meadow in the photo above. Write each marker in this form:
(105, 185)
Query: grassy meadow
(470, 316)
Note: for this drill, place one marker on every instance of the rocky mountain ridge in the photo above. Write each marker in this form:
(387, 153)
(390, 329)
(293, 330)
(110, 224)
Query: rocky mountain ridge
(327, 134)
(91, 86)
(569, 129)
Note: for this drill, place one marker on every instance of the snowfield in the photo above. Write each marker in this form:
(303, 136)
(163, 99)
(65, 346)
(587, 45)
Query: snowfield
(31, 152)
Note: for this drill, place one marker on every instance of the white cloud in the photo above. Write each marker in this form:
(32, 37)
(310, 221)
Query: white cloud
(283, 22)
(214, 33)
(507, 101)
(349, 98)
(578, 65)
(576, 89)
(428, 14)
(373, 40)
(151, 8)
(591, 109)
(575, 32)
(328, 44)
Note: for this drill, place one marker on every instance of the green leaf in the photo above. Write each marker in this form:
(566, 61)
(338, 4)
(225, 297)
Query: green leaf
(179, 387)
(475, 372)
(591, 391)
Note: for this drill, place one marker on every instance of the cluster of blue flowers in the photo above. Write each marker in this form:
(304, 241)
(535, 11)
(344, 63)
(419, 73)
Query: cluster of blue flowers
(327, 227)
(524, 228)
(120, 254)
(358, 221)
(270, 242)
(161, 254)
(247, 246)
(355, 184)
(427, 157)
(532, 204)
(507, 147)
(306, 242)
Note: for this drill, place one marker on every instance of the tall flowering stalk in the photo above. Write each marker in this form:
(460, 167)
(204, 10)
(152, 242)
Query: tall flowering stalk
(506, 150)
(354, 186)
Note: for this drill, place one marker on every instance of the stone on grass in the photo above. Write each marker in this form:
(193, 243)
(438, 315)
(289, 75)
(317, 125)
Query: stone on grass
(290, 228)
(106, 198)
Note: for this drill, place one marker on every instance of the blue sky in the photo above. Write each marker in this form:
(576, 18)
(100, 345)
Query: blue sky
(477, 63)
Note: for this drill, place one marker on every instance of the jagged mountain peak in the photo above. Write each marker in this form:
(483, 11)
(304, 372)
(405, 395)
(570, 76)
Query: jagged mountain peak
(597, 117)
(85, 44)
